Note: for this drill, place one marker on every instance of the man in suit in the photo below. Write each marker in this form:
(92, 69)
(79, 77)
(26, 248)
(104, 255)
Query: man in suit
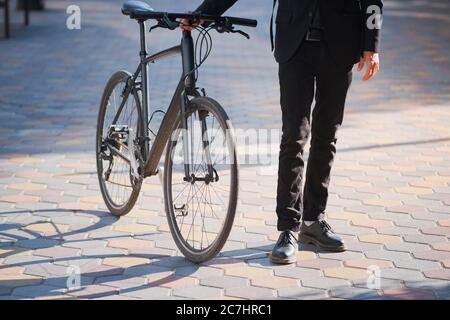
(316, 45)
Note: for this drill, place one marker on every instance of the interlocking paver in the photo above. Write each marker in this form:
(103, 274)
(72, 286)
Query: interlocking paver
(171, 281)
(37, 243)
(129, 243)
(93, 291)
(38, 291)
(319, 263)
(379, 238)
(342, 256)
(297, 272)
(443, 231)
(365, 263)
(402, 274)
(125, 262)
(416, 264)
(443, 274)
(135, 228)
(103, 252)
(354, 293)
(325, 283)
(348, 273)
(388, 255)
(251, 293)
(198, 272)
(15, 281)
(423, 238)
(274, 282)
(197, 292)
(224, 282)
(149, 293)
(302, 293)
(248, 272)
(433, 255)
(123, 283)
(407, 294)
(57, 252)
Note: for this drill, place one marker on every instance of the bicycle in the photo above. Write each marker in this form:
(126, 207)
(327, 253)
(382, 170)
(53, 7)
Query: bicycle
(200, 189)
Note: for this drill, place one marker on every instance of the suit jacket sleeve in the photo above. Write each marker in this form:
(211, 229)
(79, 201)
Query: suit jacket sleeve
(371, 41)
(215, 7)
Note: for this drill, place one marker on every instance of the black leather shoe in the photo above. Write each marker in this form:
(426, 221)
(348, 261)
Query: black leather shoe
(285, 250)
(321, 234)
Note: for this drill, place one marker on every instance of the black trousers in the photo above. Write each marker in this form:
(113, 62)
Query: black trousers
(311, 71)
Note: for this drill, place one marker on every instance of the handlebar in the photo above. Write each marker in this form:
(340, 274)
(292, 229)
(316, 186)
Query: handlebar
(193, 16)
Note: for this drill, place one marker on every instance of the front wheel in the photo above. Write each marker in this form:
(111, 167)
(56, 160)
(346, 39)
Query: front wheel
(201, 180)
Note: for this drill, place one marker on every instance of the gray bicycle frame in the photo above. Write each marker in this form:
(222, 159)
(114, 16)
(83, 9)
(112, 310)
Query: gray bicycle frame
(178, 106)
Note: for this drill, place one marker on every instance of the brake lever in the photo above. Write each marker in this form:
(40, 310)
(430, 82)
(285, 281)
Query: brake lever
(156, 26)
(241, 33)
(170, 24)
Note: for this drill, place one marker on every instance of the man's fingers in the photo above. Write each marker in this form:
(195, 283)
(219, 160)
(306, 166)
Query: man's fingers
(360, 64)
(186, 25)
(368, 73)
(189, 25)
(376, 68)
(372, 64)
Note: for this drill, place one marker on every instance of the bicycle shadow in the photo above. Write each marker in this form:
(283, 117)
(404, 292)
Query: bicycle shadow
(43, 276)
(46, 276)
(18, 236)
(153, 278)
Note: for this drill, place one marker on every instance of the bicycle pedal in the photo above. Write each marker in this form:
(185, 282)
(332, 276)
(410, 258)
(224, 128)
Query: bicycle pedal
(183, 210)
(119, 132)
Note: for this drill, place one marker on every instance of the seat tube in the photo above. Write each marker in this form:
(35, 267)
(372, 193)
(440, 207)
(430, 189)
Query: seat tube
(144, 87)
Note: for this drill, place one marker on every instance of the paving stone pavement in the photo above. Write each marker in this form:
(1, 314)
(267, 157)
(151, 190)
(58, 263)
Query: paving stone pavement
(389, 194)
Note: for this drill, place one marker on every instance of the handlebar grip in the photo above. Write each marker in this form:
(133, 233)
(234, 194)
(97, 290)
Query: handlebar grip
(242, 22)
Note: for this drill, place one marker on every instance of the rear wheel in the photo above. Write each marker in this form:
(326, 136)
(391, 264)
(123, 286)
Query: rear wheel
(201, 208)
(119, 187)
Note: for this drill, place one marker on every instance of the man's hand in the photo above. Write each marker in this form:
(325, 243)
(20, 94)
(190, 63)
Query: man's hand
(372, 62)
(189, 25)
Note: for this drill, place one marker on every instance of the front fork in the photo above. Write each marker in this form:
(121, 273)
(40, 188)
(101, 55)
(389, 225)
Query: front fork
(188, 60)
(186, 111)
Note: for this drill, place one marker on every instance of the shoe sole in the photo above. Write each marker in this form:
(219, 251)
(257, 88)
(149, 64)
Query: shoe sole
(309, 240)
(289, 260)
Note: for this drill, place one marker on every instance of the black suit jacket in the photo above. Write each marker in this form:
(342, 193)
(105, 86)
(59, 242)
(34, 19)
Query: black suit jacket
(344, 21)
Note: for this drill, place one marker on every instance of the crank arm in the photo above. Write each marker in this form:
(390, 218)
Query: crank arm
(132, 154)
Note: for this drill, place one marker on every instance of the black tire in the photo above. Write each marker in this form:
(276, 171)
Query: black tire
(198, 255)
(115, 207)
